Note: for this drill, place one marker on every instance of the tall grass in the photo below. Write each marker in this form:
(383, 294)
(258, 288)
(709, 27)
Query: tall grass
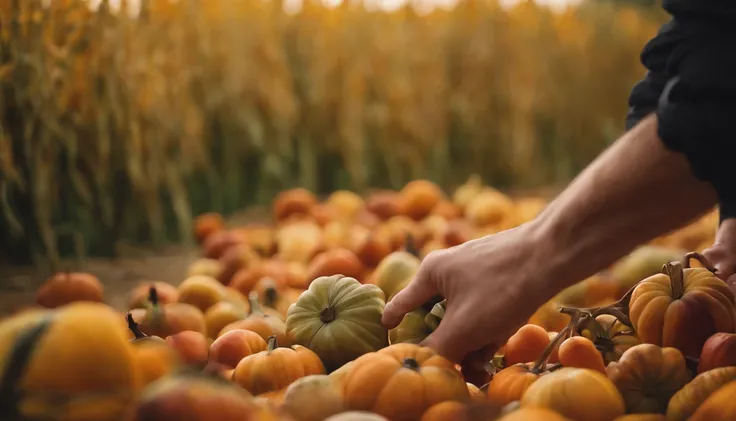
(115, 127)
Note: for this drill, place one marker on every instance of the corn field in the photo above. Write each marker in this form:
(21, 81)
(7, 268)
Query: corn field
(121, 127)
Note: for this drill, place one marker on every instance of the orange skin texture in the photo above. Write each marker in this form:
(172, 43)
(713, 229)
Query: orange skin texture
(236, 258)
(475, 393)
(421, 197)
(64, 288)
(718, 351)
(218, 243)
(642, 417)
(276, 368)
(386, 204)
(154, 360)
(245, 280)
(533, 414)
(293, 202)
(371, 249)
(687, 400)
(264, 325)
(331, 262)
(230, 348)
(449, 410)
(222, 314)
(191, 346)
(705, 307)
(458, 232)
(172, 318)
(719, 406)
(207, 224)
(202, 292)
(138, 297)
(509, 384)
(648, 376)
(526, 345)
(401, 382)
(580, 352)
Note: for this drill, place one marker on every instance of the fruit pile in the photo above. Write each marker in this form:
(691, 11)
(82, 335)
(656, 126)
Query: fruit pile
(282, 321)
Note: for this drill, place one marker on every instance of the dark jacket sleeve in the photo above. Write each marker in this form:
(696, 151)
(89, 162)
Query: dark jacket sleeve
(691, 85)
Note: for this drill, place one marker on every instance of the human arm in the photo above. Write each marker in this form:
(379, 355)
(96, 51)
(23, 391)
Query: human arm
(634, 191)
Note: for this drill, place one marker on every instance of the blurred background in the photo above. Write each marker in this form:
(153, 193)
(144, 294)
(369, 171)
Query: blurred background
(122, 120)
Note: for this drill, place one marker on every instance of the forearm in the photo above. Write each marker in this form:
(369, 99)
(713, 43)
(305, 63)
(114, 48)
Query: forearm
(635, 191)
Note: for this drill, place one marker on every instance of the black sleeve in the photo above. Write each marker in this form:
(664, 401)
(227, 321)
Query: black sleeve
(691, 85)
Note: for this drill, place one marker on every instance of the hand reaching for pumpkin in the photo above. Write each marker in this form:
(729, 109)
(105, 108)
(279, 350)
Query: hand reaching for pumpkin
(723, 253)
(633, 192)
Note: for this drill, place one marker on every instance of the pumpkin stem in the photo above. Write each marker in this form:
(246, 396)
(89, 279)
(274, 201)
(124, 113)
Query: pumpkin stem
(270, 292)
(575, 316)
(255, 305)
(700, 258)
(134, 327)
(411, 364)
(619, 309)
(153, 296)
(272, 343)
(677, 278)
(410, 245)
(327, 314)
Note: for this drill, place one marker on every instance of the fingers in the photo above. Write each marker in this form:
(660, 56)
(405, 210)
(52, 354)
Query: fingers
(722, 259)
(414, 295)
(453, 338)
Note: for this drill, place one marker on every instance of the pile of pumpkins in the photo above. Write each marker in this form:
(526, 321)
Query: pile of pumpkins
(282, 321)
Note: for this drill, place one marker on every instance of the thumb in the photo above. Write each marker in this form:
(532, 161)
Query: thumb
(414, 295)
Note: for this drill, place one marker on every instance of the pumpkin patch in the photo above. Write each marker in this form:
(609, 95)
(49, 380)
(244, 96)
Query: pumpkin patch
(282, 321)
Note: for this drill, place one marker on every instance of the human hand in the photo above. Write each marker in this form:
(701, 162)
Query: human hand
(492, 285)
(723, 253)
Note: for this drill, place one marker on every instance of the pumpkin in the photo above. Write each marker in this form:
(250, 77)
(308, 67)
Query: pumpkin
(402, 381)
(339, 319)
(220, 242)
(386, 204)
(526, 345)
(465, 193)
(610, 337)
(461, 411)
(68, 287)
(297, 201)
(395, 271)
(576, 393)
(201, 291)
(488, 207)
(193, 397)
(346, 203)
(235, 345)
(323, 214)
(138, 297)
(476, 394)
(331, 262)
(647, 376)
(642, 417)
(167, 319)
(313, 398)
(275, 368)
(245, 280)
(154, 360)
(421, 197)
(192, 347)
(299, 241)
(718, 406)
(222, 314)
(342, 372)
(205, 267)
(718, 351)
(580, 352)
(682, 308)
(371, 248)
(207, 224)
(458, 232)
(640, 264)
(277, 299)
(260, 237)
(686, 401)
(533, 414)
(412, 329)
(262, 322)
(588, 292)
(356, 416)
(50, 371)
(235, 259)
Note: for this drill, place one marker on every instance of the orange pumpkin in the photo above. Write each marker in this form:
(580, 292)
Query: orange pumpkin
(647, 376)
(526, 345)
(682, 307)
(222, 314)
(166, 294)
(533, 414)
(686, 401)
(207, 224)
(235, 345)
(260, 322)
(276, 368)
(371, 248)
(576, 393)
(642, 417)
(395, 381)
(460, 411)
(165, 320)
(580, 352)
(386, 204)
(67, 287)
(718, 351)
(296, 201)
(235, 259)
(218, 243)
(475, 393)
(346, 203)
(246, 279)
(336, 261)
(610, 337)
(719, 406)
(421, 197)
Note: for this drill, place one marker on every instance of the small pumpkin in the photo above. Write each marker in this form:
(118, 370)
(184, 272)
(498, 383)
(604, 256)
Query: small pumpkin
(412, 329)
(262, 322)
(395, 271)
(466, 192)
(331, 262)
(682, 307)
(648, 376)
(201, 291)
(461, 411)
(642, 263)
(275, 368)
(313, 398)
(611, 337)
(339, 319)
(576, 393)
(278, 299)
(346, 203)
(138, 297)
(205, 267)
(67, 287)
(394, 381)
(718, 351)
(245, 280)
(386, 204)
(222, 314)
(533, 414)
(718, 406)
(207, 224)
(686, 401)
(356, 416)
(526, 345)
(235, 345)
(580, 352)
(488, 207)
(421, 196)
(167, 319)
(642, 417)
(296, 201)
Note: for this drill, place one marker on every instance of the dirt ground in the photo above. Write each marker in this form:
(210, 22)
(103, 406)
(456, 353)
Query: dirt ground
(169, 264)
